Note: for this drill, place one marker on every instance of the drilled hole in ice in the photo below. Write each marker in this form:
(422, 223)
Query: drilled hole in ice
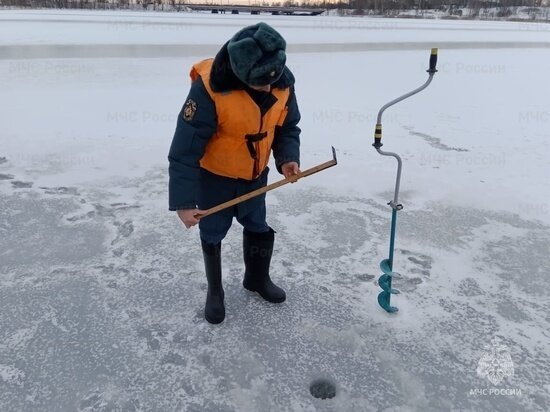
(322, 389)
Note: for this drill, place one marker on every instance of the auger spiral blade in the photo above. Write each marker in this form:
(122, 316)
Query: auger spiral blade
(384, 281)
(385, 267)
(384, 302)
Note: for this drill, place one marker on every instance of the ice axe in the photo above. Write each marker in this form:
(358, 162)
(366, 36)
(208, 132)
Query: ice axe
(385, 280)
(267, 188)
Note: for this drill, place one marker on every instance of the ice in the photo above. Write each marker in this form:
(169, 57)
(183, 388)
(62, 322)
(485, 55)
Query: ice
(102, 289)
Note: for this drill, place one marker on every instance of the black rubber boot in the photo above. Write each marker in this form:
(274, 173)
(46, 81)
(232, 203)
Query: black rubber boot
(257, 251)
(214, 310)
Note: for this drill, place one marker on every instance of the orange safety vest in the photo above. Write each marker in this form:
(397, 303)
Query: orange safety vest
(241, 145)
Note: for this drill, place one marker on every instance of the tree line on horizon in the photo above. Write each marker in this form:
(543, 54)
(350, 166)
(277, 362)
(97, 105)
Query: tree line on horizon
(381, 7)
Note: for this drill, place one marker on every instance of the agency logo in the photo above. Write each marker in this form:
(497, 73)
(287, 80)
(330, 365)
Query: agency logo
(496, 362)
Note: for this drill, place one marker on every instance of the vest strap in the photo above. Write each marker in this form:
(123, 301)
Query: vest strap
(251, 139)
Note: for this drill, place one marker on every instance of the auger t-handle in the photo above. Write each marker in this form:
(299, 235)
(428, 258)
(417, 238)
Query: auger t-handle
(433, 61)
(431, 71)
(378, 130)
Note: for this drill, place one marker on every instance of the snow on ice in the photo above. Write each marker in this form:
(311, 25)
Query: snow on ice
(102, 290)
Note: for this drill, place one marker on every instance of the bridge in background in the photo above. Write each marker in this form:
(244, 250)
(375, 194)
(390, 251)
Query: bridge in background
(288, 11)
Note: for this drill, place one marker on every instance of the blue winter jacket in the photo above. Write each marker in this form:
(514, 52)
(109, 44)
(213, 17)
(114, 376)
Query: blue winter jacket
(191, 137)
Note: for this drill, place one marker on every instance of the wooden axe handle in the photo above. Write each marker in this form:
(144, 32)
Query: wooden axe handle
(267, 188)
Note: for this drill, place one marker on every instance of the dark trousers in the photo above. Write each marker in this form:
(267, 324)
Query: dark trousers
(214, 189)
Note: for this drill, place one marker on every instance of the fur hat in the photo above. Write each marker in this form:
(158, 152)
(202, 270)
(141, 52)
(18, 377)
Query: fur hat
(257, 54)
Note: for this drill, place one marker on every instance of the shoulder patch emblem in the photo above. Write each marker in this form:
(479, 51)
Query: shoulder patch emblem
(189, 110)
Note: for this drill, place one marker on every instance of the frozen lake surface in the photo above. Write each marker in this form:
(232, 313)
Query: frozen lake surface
(102, 289)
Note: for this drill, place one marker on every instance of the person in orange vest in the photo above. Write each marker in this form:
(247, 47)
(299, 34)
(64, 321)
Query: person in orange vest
(241, 107)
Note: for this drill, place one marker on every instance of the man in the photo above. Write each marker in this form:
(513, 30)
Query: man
(241, 106)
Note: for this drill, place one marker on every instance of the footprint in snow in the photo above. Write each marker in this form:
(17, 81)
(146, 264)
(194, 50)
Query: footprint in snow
(17, 184)
(60, 190)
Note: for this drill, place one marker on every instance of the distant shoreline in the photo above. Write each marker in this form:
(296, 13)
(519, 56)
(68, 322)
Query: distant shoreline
(540, 15)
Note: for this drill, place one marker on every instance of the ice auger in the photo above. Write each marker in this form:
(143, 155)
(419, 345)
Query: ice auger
(386, 265)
